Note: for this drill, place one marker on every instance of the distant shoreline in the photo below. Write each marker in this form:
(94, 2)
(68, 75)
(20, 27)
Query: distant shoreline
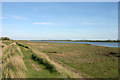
(81, 40)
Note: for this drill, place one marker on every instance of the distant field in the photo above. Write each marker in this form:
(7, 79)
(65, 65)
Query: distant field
(58, 60)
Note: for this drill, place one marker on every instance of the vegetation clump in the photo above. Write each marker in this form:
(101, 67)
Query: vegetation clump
(44, 62)
(114, 54)
(2, 46)
(4, 38)
(22, 45)
(52, 52)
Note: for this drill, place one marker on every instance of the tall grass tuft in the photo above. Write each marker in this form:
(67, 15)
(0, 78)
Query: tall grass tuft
(15, 68)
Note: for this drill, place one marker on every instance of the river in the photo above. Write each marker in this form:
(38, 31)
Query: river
(107, 44)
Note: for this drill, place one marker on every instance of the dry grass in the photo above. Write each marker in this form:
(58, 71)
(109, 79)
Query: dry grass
(13, 65)
(14, 68)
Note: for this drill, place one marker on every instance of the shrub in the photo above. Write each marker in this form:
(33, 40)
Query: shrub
(4, 38)
(44, 62)
(22, 45)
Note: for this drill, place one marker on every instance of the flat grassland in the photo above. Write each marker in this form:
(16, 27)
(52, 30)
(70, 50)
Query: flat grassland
(25, 59)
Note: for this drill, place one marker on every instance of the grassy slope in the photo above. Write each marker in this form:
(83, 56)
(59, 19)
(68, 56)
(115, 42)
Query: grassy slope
(41, 72)
(18, 63)
(0, 60)
(13, 65)
(88, 59)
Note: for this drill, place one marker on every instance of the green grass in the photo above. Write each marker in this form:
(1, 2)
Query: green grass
(44, 62)
(7, 43)
(31, 72)
(94, 61)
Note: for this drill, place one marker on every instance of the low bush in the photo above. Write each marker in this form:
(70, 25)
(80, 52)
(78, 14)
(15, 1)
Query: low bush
(22, 45)
(114, 54)
(44, 62)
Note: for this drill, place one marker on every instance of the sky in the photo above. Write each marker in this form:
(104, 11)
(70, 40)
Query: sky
(60, 0)
(60, 20)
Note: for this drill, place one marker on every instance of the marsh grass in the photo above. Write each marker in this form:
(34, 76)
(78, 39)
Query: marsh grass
(87, 59)
(92, 61)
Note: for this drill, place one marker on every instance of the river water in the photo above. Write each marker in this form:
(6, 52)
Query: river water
(107, 44)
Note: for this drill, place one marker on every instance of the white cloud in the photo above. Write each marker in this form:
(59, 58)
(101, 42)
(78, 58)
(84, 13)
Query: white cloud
(44, 23)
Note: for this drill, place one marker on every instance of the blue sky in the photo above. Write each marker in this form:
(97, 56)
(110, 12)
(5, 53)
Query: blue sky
(60, 20)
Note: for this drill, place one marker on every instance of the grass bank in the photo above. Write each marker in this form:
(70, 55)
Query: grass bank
(37, 67)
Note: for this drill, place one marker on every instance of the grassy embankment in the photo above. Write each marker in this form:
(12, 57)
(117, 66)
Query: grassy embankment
(42, 58)
(90, 60)
(1, 59)
(18, 62)
(12, 62)
(37, 66)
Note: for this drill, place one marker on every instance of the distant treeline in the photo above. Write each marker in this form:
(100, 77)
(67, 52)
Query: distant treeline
(87, 40)
(96, 40)
(55, 40)
(4, 38)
